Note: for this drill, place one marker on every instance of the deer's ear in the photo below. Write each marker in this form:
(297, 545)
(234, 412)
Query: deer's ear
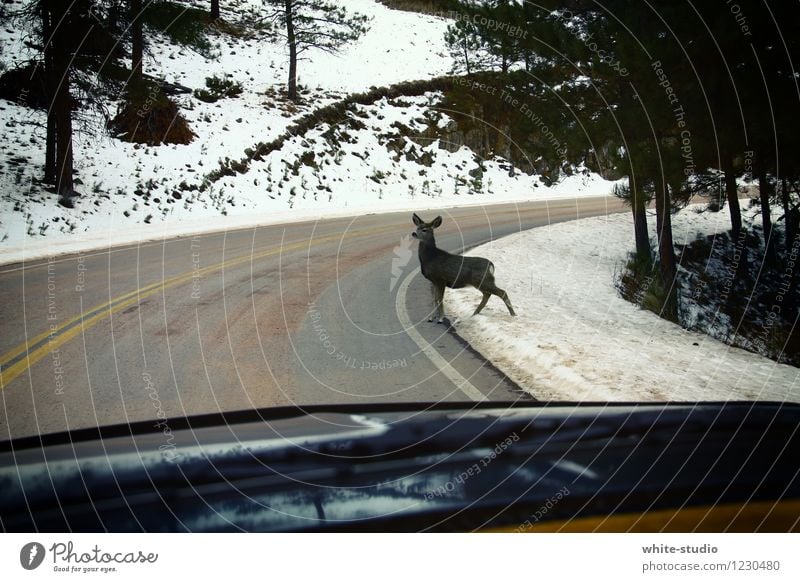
(437, 222)
(417, 220)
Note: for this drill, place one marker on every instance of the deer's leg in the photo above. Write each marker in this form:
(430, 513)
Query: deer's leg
(482, 304)
(440, 302)
(435, 307)
(438, 311)
(504, 296)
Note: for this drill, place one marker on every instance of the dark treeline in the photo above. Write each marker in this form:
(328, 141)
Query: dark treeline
(687, 97)
(72, 43)
(80, 59)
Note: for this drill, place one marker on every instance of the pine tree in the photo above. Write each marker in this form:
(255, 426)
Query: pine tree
(464, 45)
(72, 39)
(484, 28)
(314, 24)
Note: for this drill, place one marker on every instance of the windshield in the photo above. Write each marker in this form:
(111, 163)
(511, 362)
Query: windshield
(394, 202)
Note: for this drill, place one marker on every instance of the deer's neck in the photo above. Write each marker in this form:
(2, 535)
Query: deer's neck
(427, 250)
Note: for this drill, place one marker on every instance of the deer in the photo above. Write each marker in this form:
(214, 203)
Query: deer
(443, 269)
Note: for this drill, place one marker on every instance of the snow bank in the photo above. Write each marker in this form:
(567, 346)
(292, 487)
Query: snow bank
(575, 338)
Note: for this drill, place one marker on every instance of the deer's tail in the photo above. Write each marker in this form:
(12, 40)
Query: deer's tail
(491, 268)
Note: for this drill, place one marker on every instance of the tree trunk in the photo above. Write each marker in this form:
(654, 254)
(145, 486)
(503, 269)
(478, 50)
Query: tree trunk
(732, 194)
(137, 41)
(49, 90)
(787, 215)
(63, 111)
(292, 51)
(639, 208)
(62, 106)
(766, 219)
(214, 9)
(50, 148)
(666, 250)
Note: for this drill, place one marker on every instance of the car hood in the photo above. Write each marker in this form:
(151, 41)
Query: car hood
(422, 467)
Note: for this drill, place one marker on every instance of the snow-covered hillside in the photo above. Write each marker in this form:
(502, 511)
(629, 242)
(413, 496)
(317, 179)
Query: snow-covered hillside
(133, 192)
(575, 338)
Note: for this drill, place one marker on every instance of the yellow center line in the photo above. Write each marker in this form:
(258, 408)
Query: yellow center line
(58, 336)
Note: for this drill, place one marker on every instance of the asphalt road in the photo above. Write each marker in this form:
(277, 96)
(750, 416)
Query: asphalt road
(331, 311)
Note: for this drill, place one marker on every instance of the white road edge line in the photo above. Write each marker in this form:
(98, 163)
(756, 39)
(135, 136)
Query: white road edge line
(438, 361)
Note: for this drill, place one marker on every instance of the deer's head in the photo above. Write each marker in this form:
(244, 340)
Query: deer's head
(424, 230)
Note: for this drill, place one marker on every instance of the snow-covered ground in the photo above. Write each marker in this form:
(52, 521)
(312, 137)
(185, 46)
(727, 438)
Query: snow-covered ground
(329, 171)
(575, 338)
(134, 193)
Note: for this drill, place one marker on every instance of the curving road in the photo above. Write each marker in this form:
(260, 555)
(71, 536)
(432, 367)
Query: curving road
(331, 311)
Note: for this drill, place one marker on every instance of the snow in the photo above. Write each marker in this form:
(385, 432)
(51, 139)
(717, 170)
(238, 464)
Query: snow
(575, 338)
(354, 173)
(398, 46)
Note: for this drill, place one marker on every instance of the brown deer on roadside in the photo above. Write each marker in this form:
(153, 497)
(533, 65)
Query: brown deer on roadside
(443, 269)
